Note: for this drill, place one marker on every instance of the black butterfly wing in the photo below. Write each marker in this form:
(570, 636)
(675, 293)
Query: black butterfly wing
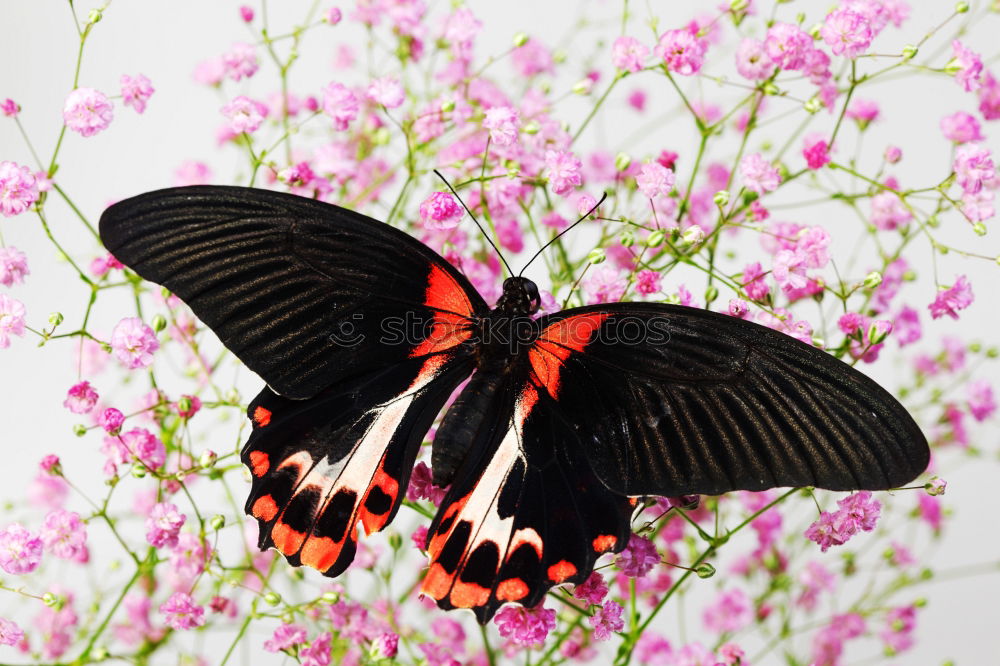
(305, 293)
(670, 400)
(362, 330)
(525, 510)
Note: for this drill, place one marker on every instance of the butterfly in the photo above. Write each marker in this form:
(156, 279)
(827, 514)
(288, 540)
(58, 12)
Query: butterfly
(362, 333)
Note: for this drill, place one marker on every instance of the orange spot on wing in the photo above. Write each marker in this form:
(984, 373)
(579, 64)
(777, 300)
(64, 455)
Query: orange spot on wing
(512, 589)
(439, 539)
(260, 462)
(561, 570)
(604, 543)
(320, 553)
(388, 485)
(452, 311)
(526, 403)
(265, 508)
(555, 344)
(469, 595)
(287, 540)
(261, 416)
(437, 582)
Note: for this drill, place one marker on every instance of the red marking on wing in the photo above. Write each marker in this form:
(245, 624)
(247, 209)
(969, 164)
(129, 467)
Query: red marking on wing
(287, 540)
(388, 485)
(561, 570)
(604, 543)
(469, 595)
(260, 462)
(437, 582)
(555, 344)
(261, 416)
(452, 311)
(512, 589)
(320, 553)
(439, 539)
(265, 508)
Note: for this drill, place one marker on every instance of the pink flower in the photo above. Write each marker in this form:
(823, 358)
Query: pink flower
(654, 180)
(948, 301)
(240, 61)
(144, 446)
(989, 97)
(730, 612)
(900, 624)
(163, 525)
(525, 626)
(20, 550)
(532, 58)
(628, 54)
(752, 61)
(681, 51)
(654, 650)
(136, 92)
(13, 266)
(422, 486)
(11, 319)
(10, 108)
(647, 282)
(192, 172)
(318, 652)
(893, 154)
(593, 590)
(604, 284)
(973, 166)
(753, 282)
(607, 620)
(244, 114)
(860, 510)
(18, 189)
(64, 534)
(758, 174)
(103, 264)
(440, 211)
(816, 151)
(888, 212)
(10, 633)
(246, 13)
(81, 398)
(968, 66)
(814, 579)
(187, 560)
(863, 112)
(285, 637)
(828, 644)
(87, 111)
(340, 104)
(386, 646)
(930, 511)
(191, 406)
(386, 91)
(936, 486)
(133, 343)
(502, 122)
(333, 16)
(982, 404)
(637, 100)
(111, 420)
(787, 45)
(738, 308)
(638, 558)
(961, 127)
(907, 326)
(978, 207)
(847, 32)
(562, 171)
(181, 612)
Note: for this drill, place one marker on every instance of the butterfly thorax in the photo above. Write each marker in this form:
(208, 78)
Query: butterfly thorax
(509, 329)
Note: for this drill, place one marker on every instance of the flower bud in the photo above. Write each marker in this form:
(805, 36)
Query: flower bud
(979, 228)
(813, 105)
(395, 540)
(520, 39)
(961, 7)
(583, 87)
(55, 319)
(331, 597)
(879, 331)
(873, 280)
(656, 238)
(627, 238)
(208, 458)
(79, 430)
(159, 323)
(448, 106)
(95, 16)
(770, 89)
(596, 256)
(272, 598)
(139, 471)
(704, 570)
(622, 161)
(217, 522)
(693, 235)
(531, 127)
(936, 486)
(711, 294)
(721, 198)
(910, 51)
(51, 600)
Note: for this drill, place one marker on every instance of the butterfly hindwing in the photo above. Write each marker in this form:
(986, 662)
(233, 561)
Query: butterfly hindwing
(677, 401)
(321, 466)
(307, 294)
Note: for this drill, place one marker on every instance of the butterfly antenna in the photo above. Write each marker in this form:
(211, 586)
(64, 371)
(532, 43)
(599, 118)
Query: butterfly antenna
(485, 235)
(596, 206)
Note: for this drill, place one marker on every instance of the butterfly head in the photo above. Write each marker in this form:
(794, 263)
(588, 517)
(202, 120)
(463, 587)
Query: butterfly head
(520, 297)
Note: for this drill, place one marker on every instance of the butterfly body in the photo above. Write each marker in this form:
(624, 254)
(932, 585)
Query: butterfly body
(363, 334)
